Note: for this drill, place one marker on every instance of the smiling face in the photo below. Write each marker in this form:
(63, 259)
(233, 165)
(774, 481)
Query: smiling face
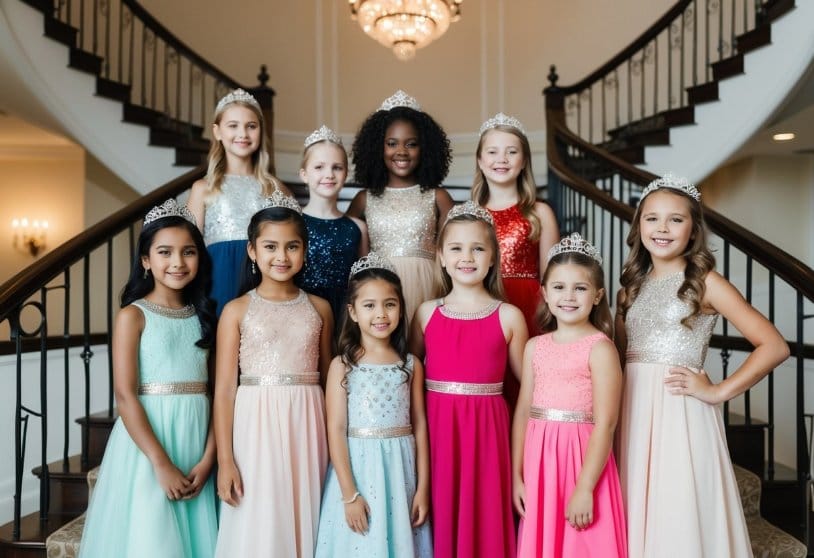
(401, 153)
(325, 169)
(376, 309)
(467, 252)
(278, 251)
(238, 130)
(570, 293)
(666, 225)
(501, 158)
(172, 258)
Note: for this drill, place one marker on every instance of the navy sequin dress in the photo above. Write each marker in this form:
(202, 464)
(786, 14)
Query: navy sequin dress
(333, 246)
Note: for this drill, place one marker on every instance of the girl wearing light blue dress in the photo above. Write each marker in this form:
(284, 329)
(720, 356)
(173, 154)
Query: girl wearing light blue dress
(376, 497)
(154, 495)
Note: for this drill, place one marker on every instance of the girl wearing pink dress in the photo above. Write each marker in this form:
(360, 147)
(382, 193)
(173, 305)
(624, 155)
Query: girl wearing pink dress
(469, 336)
(566, 486)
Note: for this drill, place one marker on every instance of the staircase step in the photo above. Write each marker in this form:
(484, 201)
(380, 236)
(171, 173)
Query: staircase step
(749, 487)
(98, 430)
(666, 119)
(746, 441)
(59, 31)
(68, 486)
(45, 6)
(174, 139)
(112, 89)
(727, 67)
(85, 61)
(64, 542)
(33, 533)
(777, 8)
(754, 39)
(703, 93)
(137, 114)
(185, 157)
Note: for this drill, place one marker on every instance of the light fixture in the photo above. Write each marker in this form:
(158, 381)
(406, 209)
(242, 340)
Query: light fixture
(29, 236)
(405, 25)
(784, 136)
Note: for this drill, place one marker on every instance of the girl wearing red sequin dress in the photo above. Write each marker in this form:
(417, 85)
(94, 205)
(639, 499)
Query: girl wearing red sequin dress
(469, 336)
(526, 228)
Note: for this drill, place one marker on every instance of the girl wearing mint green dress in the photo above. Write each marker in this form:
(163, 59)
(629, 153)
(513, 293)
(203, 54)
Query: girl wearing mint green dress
(155, 495)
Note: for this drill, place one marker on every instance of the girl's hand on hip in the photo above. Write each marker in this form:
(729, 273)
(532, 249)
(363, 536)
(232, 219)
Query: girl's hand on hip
(683, 381)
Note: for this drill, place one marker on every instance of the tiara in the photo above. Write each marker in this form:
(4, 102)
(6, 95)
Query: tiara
(470, 208)
(371, 261)
(279, 199)
(575, 243)
(324, 133)
(669, 180)
(501, 119)
(169, 208)
(400, 99)
(238, 95)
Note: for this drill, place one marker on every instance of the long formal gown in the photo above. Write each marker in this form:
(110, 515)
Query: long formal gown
(279, 439)
(333, 246)
(677, 478)
(401, 223)
(129, 515)
(226, 224)
(468, 426)
(559, 427)
(383, 463)
(520, 272)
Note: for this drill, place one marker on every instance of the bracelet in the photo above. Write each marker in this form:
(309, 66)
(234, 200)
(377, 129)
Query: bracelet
(352, 499)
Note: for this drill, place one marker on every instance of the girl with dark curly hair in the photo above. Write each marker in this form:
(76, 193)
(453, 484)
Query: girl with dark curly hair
(401, 156)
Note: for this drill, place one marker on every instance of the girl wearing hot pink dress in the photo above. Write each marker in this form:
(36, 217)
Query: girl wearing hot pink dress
(566, 486)
(469, 337)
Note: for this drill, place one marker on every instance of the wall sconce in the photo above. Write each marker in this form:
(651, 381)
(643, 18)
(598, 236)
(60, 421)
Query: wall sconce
(29, 237)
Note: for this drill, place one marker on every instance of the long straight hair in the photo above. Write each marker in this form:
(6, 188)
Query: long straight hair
(492, 281)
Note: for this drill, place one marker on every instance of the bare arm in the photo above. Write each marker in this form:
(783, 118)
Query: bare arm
(443, 203)
(325, 335)
(606, 385)
(549, 232)
(516, 333)
(195, 203)
(421, 501)
(126, 337)
(519, 424)
(619, 333)
(357, 205)
(230, 486)
(417, 325)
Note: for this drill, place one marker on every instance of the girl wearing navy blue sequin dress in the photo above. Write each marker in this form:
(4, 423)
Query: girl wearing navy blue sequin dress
(234, 188)
(335, 241)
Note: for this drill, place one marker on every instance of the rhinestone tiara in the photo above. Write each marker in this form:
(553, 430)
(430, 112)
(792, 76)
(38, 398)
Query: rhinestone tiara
(238, 95)
(669, 180)
(371, 261)
(169, 208)
(470, 208)
(575, 243)
(324, 133)
(400, 99)
(501, 119)
(278, 199)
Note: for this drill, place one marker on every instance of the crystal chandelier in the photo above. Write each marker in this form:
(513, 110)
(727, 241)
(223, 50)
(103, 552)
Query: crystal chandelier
(405, 25)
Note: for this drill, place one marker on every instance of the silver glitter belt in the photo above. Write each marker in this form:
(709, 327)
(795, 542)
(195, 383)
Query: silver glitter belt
(176, 388)
(671, 359)
(280, 380)
(408, 253)
(464, 388)
(559, 415)
(381, 432)
(520, 276)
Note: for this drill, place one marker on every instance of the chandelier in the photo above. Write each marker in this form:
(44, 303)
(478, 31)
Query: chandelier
(405, 25)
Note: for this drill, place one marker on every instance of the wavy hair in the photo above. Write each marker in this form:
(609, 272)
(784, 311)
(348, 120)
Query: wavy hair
(492, 281)
(600, 316)
(368, 148)
(195, 292)
(526, 187)
(697, 255)
(261, 160)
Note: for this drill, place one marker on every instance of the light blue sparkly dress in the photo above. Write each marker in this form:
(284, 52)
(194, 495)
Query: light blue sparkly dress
(226, 224)
(333, 246)
(382, 459)
(129, 515)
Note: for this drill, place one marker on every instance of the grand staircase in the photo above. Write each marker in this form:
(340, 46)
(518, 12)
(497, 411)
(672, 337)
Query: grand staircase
(62, 306)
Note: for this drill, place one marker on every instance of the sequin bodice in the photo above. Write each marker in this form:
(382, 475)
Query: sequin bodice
(333, 246)
(562, 373)
(519, 257)
(654, 329)
(401, 222)
(167, 352)
(379, 395)
(228, 213)
(279, 337)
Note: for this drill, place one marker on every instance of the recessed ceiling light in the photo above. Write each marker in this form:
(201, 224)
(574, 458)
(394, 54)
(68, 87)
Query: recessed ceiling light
(784, 136)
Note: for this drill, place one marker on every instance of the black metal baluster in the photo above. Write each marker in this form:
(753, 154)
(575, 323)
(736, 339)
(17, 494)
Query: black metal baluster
(86, 355)
(43, 414)
(770, 433)
(109, 305)
(725, 352)
(747, 401)
(618, 87)
(629, 93)
(66, 337)
(720, 30)
(95, 21)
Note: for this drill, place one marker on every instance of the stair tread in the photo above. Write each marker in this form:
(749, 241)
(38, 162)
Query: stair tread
(33, 532)
(56, 469)
(100, 418)
(66, 537)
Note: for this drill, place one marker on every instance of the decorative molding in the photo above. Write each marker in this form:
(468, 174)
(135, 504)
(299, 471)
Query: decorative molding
(41, 152)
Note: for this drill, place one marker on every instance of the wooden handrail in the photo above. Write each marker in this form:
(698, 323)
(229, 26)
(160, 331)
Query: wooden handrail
(17, 289)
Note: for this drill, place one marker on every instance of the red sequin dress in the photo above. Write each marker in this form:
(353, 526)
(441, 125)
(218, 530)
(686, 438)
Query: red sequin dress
(520, 269)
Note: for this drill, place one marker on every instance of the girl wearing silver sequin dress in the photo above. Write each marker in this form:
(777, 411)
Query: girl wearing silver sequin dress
(274, 342)
(401, 157)
(377, 494)
(335, 240)
(677, 479)
(233, 190)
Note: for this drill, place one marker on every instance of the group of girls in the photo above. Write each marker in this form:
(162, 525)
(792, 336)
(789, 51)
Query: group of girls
(359, 439)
